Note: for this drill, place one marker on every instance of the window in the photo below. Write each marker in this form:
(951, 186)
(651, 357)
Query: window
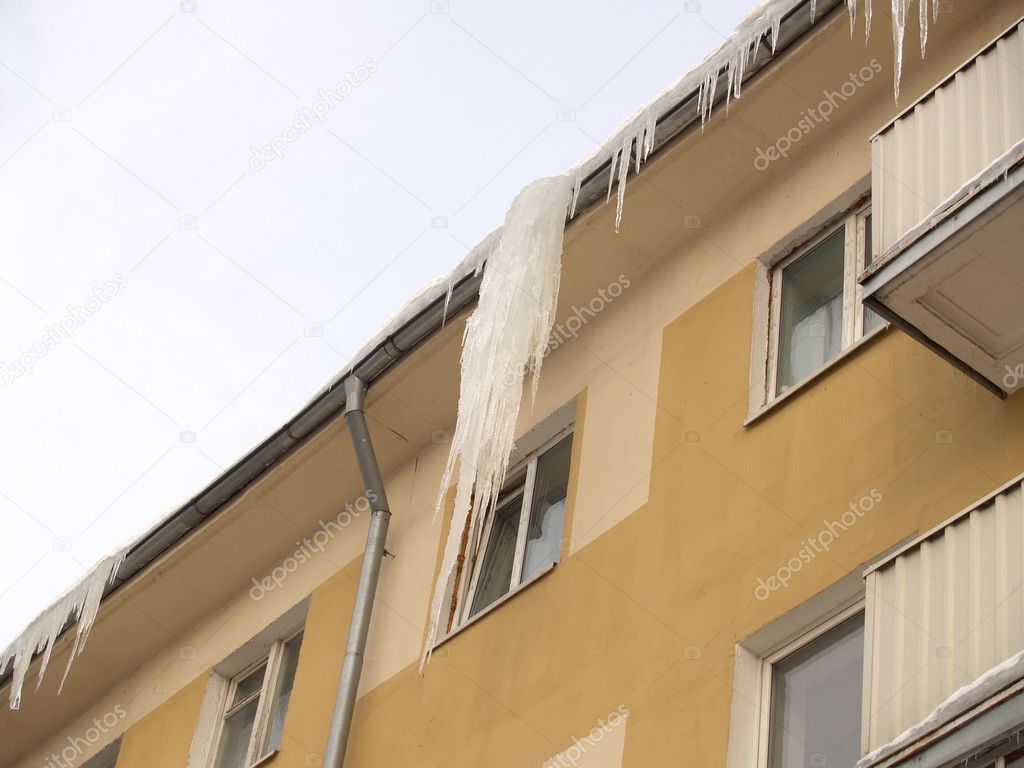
(523, 536)
(257, 698)
(816, 309)
(811, 710)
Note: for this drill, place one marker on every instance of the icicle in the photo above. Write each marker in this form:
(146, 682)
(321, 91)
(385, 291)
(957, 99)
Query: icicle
(730, 72)
(447, 300)
(611, 175)
(814, 10)
(706, 96)
(506, 336)
(923, 21)
(577, 185)
(776, 25)
(851, 9)
(899, 25)
(624, 153)
(867, 21)
(81, 603)
(652, 124)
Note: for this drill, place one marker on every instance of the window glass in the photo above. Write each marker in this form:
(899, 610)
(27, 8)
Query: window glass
(495, 577)
(816, 701)
(547, 513)
(248, 685)
(811, 317)
(235, 739)
(289, 661)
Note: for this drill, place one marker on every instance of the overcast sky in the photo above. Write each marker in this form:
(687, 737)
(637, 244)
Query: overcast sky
(179, 274)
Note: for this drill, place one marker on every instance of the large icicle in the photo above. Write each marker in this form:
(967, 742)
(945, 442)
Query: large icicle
(505, 337)
(80, 603)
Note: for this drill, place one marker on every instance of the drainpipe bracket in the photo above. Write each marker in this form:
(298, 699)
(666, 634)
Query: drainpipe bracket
(355, 391)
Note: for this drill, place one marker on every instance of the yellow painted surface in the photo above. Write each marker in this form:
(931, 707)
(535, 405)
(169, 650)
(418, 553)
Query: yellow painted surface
(162, 738)
(676, 509)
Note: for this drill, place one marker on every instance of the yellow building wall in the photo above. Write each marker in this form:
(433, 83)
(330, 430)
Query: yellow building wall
(162, 738)
(623, 654)
(646, 617)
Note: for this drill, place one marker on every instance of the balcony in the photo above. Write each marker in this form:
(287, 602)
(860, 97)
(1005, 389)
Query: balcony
(944, 644)
(947, 192)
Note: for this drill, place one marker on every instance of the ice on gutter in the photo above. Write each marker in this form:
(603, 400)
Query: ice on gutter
(630, 145)
(79, 603)
(471, 264)
(989, 684)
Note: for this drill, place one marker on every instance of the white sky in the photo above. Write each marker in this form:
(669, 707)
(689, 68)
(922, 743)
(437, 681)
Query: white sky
(125, 145)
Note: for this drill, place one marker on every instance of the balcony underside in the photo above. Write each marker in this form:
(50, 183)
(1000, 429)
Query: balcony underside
(956, 280)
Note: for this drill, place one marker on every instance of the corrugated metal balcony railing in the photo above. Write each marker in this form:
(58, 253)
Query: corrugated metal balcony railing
(948, 216)
(941, 612)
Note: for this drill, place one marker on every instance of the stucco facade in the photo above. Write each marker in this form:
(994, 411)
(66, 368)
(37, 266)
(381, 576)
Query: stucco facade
(679, 504)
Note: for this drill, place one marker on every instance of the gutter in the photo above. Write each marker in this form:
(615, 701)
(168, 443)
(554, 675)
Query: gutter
(671, 126)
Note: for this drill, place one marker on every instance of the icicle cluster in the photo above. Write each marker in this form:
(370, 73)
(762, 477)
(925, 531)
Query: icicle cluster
(508, 332)
(505, 337)
(80, 603)
(634, 141)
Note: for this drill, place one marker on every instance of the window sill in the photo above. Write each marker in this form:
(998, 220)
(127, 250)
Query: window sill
(796, 389)
(493, 606)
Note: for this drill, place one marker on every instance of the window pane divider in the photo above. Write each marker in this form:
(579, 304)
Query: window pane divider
(242, 704)
(268, 690)
(524, 523)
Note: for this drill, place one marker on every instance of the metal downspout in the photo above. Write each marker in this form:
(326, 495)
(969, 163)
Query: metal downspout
(348, 683)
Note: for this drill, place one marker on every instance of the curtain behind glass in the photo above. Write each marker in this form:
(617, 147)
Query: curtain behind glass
(547, 514)
(811, 317)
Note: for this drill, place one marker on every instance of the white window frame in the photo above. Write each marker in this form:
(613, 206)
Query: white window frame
(747, 713)
(523, 477)
(855, 239)
(258, 750)
(767, 670)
